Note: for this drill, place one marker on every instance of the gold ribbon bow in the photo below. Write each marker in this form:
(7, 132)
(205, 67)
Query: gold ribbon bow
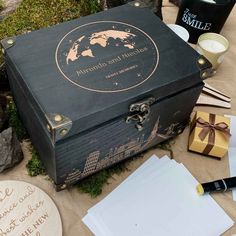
(210, 128)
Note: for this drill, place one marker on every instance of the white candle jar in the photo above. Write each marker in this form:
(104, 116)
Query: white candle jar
(213, 46)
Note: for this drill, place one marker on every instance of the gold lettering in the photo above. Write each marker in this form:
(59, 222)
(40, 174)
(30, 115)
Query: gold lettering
(134, 53)
(91, 69)
(115, 60)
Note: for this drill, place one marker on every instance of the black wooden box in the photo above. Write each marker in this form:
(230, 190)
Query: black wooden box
(97, 90)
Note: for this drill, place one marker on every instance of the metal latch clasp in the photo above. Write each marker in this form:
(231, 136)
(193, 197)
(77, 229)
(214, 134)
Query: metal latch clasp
(140, 112)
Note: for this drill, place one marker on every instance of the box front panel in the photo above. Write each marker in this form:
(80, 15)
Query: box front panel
(98, 148)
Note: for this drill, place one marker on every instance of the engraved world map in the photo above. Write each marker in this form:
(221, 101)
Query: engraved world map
(103, 39)
(107, 56)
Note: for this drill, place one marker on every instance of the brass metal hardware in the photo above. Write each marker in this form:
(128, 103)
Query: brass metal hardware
(10, 41)
(58, 126)
(201, 61)
(58, 118)
(205, 67)
(49, 128)
(140, 112)
(179, 131)
(208, 73)
(204, 75)
(60, 187)
(63, 132)
(137, 3)
(7, 43)
(63, 186)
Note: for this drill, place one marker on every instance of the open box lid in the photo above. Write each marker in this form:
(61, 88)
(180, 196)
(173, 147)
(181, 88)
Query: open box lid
(85, 72)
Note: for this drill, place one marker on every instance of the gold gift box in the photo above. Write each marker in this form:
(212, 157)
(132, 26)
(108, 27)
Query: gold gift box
(209, 134)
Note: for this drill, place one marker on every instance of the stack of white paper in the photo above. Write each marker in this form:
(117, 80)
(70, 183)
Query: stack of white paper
(158, 199)
(232, 151)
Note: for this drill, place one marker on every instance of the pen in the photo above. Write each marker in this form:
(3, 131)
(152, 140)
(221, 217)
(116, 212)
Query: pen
(220, 185)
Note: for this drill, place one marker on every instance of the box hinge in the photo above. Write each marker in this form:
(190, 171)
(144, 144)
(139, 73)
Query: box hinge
(58, 126)
(140, 112)
(7, 43)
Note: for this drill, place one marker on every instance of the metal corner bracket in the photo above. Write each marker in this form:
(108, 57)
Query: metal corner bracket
(58, 126)
(60, 187)
(205, 67)
(7, 43)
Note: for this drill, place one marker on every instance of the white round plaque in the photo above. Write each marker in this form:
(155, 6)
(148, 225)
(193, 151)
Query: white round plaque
(25, 210)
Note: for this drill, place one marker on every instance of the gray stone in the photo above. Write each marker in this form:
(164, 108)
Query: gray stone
(2, 118)
(3, 115)
(10, 150)
(9, 7)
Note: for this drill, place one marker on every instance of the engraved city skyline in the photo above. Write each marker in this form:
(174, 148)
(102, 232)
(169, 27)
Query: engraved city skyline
(116, 154)
(119, 153)
(129, 149)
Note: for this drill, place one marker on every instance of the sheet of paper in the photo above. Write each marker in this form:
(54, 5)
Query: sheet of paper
(123, 192)
(157, 199)
(152, 165)
(232, 142)
(92, 225)
(154, 205)
(232, 151)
